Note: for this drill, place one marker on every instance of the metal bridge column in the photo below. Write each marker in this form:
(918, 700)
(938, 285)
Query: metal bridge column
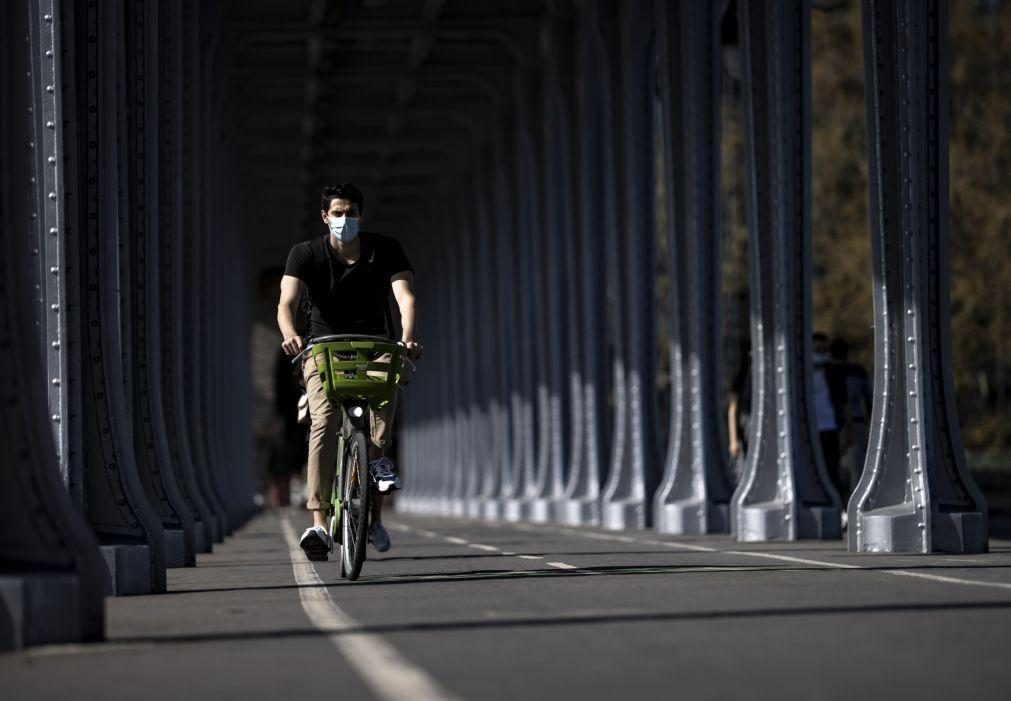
(492, 447)
(213, 278)
(595, 214)
(915, 494)
(555, 207)
(784, 493)
(139, 318)
(695, 493)
(510, 226)
(186, 451)
(472, 343)
(628, 494)
(522, 247)
(454, 231)
(54, 578)
(134, 541)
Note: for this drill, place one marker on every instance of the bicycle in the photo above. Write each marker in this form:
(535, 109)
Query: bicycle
(357, 372)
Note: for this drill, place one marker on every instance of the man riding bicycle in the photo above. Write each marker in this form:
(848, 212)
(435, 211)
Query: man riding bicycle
(348, 275)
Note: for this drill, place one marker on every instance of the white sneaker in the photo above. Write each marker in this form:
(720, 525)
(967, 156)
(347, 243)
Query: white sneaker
(382, 472)
(316, 543)
(378, 536)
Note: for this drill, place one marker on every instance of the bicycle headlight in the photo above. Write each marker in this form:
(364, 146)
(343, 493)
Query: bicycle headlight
(357, 411)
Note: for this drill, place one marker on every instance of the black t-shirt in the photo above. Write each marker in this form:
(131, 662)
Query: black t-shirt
(349, 298)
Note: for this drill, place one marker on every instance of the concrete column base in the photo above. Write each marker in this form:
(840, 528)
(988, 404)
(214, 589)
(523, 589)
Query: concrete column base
(771, 521)
(619, 515)
(693, 517)
(129, 568)
(578, 512)
(512, 510)
(491, 510)
(200, 544)
(538, 510)
(38, 609)
(900, 529)
(175, 548)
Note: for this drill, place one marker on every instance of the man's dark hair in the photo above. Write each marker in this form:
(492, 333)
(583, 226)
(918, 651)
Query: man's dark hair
(819, 336)
(347, 191)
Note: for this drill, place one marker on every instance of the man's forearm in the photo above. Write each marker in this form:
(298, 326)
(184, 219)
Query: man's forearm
(286, 321)
(408, 315)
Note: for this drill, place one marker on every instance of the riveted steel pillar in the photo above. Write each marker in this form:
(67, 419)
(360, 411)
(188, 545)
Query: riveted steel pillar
(447, 443)
(211, 280)
(595, 213)
(429, 456)
(131, 532)
(550, 253)
(785, 492)
(186, 452)
(627, 497)
(521, 195)
(472, 342)
(152, 436)
(494, 279)
(50, 269)
(915, 494)
(454, 231)
(54, 579)
(695, 492)
(142, 335)
(511, 299)
(493, 443)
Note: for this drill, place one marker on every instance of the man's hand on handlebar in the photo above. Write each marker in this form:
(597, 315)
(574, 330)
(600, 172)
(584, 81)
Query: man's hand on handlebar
(414, 349)
(293, 345)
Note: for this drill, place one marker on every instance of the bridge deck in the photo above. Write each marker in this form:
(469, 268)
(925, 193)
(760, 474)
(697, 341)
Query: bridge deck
(462, 609)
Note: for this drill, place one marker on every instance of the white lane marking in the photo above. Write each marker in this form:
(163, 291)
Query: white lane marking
(479, 546)
(508, 554)
(455, 540)
(626, 539)
(950, 580)
(385, 671)
(788, 558)
(529, 557)
(785, 558)
(562, 566)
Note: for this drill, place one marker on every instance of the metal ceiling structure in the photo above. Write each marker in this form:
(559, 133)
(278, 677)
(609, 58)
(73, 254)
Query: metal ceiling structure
(158, 154)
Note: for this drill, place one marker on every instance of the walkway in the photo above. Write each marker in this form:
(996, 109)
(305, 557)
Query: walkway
(476, 610)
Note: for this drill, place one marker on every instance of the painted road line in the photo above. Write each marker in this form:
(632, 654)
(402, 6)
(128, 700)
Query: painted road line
(949, 580)
(479, 546)
(772, 556)
(561, 566)
(385, 671)
(455, 541)
(529, 557)
(790, 558)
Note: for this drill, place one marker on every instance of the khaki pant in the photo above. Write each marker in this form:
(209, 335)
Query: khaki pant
(323, 432)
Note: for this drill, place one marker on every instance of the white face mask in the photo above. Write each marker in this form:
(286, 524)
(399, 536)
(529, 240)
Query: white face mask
(344, 229)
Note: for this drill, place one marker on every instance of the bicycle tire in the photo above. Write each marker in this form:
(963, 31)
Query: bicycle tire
(356, 503)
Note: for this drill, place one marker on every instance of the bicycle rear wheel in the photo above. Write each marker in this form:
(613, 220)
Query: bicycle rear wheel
(355, 506)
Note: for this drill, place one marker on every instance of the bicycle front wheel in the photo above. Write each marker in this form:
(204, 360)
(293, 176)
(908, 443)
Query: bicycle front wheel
(355, 506)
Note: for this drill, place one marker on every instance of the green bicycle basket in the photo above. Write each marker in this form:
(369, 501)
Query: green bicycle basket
(359, 370)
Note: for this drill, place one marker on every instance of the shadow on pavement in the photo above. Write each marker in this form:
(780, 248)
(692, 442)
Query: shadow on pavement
(585, 619)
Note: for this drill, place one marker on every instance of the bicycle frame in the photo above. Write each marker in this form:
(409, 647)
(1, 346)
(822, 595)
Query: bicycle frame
(355, 417)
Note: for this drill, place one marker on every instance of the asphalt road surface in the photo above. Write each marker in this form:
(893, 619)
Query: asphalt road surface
(477, 610)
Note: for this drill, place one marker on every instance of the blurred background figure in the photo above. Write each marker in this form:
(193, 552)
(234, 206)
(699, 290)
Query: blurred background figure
(850, 386)
(739, 413)
(279, 442)
(826, 402)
